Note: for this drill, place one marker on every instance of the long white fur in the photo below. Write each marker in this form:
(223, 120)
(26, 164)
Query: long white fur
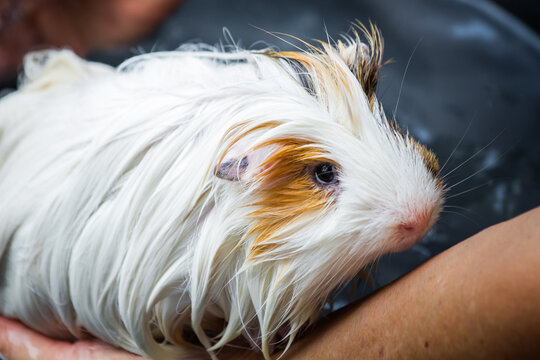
(113, 223)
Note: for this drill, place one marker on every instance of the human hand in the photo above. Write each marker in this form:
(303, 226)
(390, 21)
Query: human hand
(82, 25)
(17, 342)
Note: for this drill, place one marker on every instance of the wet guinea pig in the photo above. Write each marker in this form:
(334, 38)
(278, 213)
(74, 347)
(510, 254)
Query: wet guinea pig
(190, 198)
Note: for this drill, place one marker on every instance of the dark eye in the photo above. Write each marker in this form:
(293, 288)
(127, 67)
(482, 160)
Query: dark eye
(325, 173)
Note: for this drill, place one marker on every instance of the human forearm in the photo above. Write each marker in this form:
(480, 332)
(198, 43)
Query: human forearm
(479, 299)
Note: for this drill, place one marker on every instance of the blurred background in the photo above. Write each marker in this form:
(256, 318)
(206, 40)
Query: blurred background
(464, 79)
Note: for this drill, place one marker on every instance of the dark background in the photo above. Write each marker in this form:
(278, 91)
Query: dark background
(527, 11)
(467, 75)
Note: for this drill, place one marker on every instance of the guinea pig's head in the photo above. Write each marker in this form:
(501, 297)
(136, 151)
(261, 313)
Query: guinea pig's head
(329, 184)
(338, 173)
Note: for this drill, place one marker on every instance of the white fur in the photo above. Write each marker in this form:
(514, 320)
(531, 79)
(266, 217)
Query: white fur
(112, 221)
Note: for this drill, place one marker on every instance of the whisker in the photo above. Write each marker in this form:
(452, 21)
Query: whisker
(460, 208)
(473, 156)
(468, 177)
(469, 190)
(459, 142)
(475, 213)
(403, 78)
(463, 215)
(482, 169)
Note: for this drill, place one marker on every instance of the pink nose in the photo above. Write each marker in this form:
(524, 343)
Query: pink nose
(412, 230)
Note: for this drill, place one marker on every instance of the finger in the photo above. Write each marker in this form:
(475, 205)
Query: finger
(17, 342)
(96, 350)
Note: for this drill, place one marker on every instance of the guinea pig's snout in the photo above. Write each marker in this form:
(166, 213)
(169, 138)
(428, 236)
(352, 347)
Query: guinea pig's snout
(412, 227)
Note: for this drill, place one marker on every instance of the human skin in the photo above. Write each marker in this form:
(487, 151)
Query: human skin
(19, 342)
(82, 25)
(479, 299)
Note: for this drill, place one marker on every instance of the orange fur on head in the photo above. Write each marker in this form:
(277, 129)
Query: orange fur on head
(364, 61)
(287, 190)
(430, 159)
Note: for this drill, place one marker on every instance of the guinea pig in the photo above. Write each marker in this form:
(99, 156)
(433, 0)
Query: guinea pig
(192, 198)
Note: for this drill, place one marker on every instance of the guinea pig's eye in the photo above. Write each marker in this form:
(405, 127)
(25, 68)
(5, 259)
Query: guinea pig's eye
(325, 173)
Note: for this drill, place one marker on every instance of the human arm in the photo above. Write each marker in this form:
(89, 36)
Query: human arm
(479, 299)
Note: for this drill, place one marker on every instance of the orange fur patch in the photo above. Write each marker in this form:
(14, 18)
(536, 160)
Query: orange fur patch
(286, 190)
(430, 159)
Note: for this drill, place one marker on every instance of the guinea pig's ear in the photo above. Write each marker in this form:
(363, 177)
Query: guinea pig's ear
(364, 59)
(238, 165)
(232, 169)
(352, 53)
